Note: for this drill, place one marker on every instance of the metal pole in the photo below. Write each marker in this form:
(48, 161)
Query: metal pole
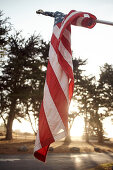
(97, 20)
(104, 22)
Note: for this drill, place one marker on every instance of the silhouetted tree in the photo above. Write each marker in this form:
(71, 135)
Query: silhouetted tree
(77, 71)
(106, 83)
(84, 98)
(87, 94)
(5, 27)
(96, 117)
(23, 77)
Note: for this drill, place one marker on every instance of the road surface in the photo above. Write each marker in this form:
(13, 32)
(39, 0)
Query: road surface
(54, 161)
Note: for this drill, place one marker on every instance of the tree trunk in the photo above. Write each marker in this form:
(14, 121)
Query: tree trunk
(68, 137)
(99, 129)
(87, 138)
(86, 129)
(86, 121)
(86, 135)
(27, 112)
(100, 137)
(100, 133)
(9, 127)
(11, 117)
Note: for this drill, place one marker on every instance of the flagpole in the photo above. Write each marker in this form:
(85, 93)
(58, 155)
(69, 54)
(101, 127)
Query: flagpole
(104, 22)
(40, 11)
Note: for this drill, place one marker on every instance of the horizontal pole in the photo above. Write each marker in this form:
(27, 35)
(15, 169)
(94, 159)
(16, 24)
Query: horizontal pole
(97, 20)
(104, 22)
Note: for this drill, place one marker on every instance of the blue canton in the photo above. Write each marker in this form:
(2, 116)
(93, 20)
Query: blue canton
(59, 16)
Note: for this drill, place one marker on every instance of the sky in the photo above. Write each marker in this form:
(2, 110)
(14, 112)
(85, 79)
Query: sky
(95, 44)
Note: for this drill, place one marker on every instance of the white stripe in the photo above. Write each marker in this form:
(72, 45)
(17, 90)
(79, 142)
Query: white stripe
(56, 31)
(37, 143)
(66, 33)
(60, 74)
(53, 118)
(86, 16)
(73, 13)
(65, 53)
(79, 21)
(60, 135)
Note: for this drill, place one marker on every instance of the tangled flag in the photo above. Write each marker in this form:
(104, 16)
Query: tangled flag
(59, 84)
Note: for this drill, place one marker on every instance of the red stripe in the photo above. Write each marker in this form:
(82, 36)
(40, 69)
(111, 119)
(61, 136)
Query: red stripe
(41, 153)
(57, 95)
(54, 42)
(71, 88)
(59, 24)
(66, 67)
(64, 64)
(45, 138)
(69, 28)
(66, 44)
(70, 13)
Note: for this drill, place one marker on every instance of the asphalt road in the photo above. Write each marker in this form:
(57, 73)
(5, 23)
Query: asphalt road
(54, 161)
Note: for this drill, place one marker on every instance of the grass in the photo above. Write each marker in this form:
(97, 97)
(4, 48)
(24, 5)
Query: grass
(108, 166)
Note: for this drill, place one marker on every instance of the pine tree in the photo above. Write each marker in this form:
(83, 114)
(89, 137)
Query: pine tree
(106, 83)
(77, 71)
(23, 77)
(5, 27)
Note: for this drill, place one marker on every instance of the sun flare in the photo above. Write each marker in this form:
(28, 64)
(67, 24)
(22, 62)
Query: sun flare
(25, 126)
(77, 127)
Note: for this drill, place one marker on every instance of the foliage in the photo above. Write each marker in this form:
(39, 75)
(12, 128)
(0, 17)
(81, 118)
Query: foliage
(95, 101)
(77, 70)
(23, 77)
(5, 27)
(106, 83)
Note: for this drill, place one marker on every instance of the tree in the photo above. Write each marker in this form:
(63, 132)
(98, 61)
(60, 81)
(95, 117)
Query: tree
(23, 77)
(97, 101)
(84, 98)
(106, 83)
(103, 98)
(87, 94)
(96, 117)
(77, 70)
(5, 27)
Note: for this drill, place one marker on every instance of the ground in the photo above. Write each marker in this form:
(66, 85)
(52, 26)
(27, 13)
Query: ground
(11, 147)
(108, 166)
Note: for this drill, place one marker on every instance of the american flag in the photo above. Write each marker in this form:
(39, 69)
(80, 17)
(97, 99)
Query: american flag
(59, 84)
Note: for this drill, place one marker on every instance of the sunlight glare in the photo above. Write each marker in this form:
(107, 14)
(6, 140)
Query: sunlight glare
(25, 126)
(78, 124)
(78, 127)
(108, 127)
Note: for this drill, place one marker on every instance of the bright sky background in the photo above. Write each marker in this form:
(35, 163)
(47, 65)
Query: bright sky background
(96, 44)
